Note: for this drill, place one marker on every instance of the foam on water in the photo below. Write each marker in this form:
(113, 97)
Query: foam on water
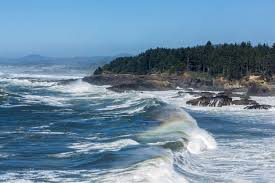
(157, 170)
(78, 87)
(26, 82)
(88, 147)
(177, 125)
(109, 146)
(50, 100)
(196, 158)
(200, 141)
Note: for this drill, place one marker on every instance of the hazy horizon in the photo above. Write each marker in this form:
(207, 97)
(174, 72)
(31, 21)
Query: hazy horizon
(88, 28)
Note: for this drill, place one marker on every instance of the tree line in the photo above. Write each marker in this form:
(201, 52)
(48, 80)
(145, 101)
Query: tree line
(232, 61)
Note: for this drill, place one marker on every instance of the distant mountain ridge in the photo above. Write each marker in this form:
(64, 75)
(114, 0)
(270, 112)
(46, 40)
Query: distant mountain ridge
(39, 59)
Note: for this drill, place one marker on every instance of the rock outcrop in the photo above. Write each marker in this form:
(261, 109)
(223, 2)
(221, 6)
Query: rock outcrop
(258, 106)
(211, 101)
(125, 82)
(244, 102)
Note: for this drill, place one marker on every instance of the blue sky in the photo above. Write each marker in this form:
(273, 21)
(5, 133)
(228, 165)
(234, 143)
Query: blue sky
(109, 27)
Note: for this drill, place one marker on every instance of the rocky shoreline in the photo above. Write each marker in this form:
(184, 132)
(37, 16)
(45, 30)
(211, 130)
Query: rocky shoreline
(253, 85)
(223, 99)
(228, 89)
(124, 82)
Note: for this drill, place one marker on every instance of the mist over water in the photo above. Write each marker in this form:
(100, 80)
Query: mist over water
(56, 128)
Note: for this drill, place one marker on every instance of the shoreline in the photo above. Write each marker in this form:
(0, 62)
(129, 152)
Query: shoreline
(252, 85)
(225, 92)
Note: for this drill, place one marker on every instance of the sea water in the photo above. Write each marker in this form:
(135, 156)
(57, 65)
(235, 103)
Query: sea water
(56, 128)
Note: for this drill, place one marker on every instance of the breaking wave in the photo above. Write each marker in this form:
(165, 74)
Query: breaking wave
(58, 128)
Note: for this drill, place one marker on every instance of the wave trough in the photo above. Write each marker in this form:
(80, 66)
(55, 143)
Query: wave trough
(56, 128)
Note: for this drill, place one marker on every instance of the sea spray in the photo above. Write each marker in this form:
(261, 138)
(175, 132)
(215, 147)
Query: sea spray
(178, 125)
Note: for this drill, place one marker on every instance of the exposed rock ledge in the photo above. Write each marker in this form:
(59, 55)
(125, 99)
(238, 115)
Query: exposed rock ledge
(124, 82)
(219, 100)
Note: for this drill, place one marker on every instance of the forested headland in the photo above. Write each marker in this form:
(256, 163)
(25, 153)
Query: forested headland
(232, 61)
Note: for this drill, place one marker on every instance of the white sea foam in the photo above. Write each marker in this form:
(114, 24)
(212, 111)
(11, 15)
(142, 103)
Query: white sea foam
(87, 146)
(108, 146)
(200, 141)
(27, 82)
(44, 76)
(157, 170)
(79, 87)
(234, 161)
(44, 176)
(50, 100)
(178, 125)
(5, 155)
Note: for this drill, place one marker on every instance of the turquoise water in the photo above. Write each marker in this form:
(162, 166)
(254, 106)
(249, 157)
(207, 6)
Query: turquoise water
(56, 128)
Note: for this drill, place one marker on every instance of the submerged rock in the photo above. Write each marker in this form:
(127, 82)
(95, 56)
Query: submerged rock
(244, 101)
(258, 106)
(213, 101)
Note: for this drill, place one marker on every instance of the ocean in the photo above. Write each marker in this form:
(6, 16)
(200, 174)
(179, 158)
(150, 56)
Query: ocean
(56, 128)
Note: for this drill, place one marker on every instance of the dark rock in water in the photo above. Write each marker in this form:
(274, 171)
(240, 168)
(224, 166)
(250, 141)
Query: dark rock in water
(258, 106)
(220, 100)
(244, 102)
(202, 101)
(231, 94)
(213, 101)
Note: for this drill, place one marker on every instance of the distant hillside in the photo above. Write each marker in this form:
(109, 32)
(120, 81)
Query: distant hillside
(38, 59)
(232, 61)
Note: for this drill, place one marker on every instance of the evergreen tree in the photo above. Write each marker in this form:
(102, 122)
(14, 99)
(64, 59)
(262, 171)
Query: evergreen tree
(232, 61)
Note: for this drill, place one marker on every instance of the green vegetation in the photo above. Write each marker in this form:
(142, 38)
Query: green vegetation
(232, 61)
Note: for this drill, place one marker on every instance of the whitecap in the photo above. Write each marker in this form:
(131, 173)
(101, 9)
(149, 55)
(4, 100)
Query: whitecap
(86, 147)
(156, 170)
(178, 125)
(108, 146)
